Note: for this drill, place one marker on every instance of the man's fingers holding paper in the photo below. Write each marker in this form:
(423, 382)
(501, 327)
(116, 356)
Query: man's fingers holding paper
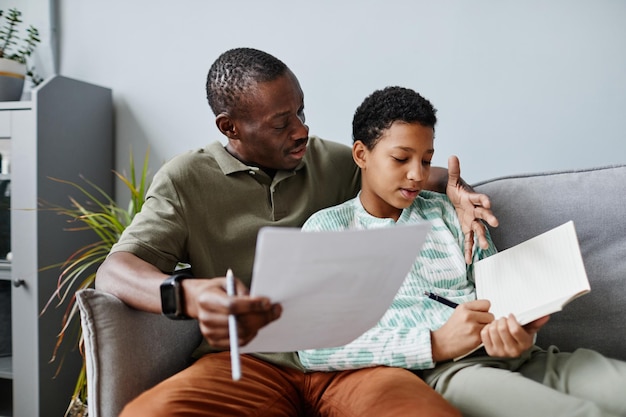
(252, 313)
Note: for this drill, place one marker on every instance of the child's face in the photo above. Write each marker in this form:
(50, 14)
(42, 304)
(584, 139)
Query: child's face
(396, 169)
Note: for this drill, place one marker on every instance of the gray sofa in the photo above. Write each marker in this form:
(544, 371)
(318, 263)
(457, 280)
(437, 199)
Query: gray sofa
(129, 351)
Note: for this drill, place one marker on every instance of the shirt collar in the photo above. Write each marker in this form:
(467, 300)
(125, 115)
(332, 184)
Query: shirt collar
(365, 218)
(229, 164)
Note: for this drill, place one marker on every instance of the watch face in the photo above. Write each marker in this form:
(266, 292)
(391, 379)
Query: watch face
(168, 299)
(172, 298)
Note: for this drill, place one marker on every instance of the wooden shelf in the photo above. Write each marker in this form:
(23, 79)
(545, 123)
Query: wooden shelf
(6, 367)
(5, 270)
(16, 105)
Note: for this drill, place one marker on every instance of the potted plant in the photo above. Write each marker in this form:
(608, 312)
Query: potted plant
(15, 48)
(103, 216)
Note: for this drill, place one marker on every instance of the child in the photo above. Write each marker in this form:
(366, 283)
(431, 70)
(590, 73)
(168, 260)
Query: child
(393, 132)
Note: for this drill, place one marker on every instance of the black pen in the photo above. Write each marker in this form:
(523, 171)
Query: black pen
(441, 299)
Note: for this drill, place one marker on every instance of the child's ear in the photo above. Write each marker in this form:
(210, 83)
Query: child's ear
(359, 153)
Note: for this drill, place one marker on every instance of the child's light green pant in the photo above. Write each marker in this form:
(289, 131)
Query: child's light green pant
(539, 384)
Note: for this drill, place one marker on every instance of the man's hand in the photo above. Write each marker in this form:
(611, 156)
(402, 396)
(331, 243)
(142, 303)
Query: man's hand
(206, 300)
(461, 333)
(471, 207)
(505, 338)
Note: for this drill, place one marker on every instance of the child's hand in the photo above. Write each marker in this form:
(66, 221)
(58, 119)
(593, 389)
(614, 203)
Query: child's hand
(505, 338)
(461, 333)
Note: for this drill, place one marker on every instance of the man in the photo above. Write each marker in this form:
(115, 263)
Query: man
(205, 208)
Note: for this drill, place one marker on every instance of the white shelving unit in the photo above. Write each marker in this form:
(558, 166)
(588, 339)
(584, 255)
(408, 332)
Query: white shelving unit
(64, 131)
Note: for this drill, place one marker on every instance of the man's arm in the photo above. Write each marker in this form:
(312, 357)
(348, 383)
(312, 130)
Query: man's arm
(137, 283)
(132, 280)
(437, 180)
(471, 207)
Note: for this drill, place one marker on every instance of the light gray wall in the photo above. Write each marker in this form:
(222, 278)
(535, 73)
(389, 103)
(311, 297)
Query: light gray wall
(520, 85)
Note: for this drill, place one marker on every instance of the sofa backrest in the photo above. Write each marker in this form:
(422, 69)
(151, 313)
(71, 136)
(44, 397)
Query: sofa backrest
(595, 199)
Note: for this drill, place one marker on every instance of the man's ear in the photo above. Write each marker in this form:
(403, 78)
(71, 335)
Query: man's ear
(359, 153)
(226, 125)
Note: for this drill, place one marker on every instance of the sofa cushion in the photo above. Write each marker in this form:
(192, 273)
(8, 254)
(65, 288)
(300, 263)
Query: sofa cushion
(595, 199)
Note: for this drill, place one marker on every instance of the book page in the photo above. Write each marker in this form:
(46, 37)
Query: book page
(535, 278)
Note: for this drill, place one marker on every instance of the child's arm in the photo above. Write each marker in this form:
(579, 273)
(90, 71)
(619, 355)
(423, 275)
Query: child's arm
(471, 324)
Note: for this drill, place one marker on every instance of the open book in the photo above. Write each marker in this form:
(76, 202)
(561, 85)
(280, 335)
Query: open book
(536, 278)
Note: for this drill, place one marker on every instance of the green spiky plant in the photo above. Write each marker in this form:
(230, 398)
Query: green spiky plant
(16, 48)
(102, 215)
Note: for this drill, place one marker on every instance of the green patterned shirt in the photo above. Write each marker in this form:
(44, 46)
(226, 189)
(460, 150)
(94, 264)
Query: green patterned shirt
(402, 336)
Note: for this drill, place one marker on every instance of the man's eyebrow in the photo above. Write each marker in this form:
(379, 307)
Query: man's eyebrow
(286, 112)
(280, 114)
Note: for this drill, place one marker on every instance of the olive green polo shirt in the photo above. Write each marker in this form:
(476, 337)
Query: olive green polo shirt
(205, 207)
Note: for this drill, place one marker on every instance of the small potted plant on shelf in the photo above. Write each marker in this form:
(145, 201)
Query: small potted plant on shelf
(15, 48)
(103, 216)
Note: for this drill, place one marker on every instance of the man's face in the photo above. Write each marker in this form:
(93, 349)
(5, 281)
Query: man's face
(271, 133)
(396, 169)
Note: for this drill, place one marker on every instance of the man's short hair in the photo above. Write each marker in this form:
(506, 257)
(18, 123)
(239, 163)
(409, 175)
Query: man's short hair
(234, 71)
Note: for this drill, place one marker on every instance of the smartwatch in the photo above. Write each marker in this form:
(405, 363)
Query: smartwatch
(172, 297)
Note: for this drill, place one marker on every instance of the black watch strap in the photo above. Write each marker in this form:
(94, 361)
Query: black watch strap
(172, 296)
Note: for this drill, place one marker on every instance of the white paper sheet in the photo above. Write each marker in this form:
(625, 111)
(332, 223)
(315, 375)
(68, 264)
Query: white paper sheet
(333, 286)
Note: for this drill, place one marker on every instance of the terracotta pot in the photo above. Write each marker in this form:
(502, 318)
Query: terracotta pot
(12, 76)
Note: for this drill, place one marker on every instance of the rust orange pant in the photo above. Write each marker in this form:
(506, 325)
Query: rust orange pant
(207, 389)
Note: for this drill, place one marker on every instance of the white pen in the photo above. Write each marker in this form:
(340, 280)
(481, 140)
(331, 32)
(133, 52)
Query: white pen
(235, 363)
